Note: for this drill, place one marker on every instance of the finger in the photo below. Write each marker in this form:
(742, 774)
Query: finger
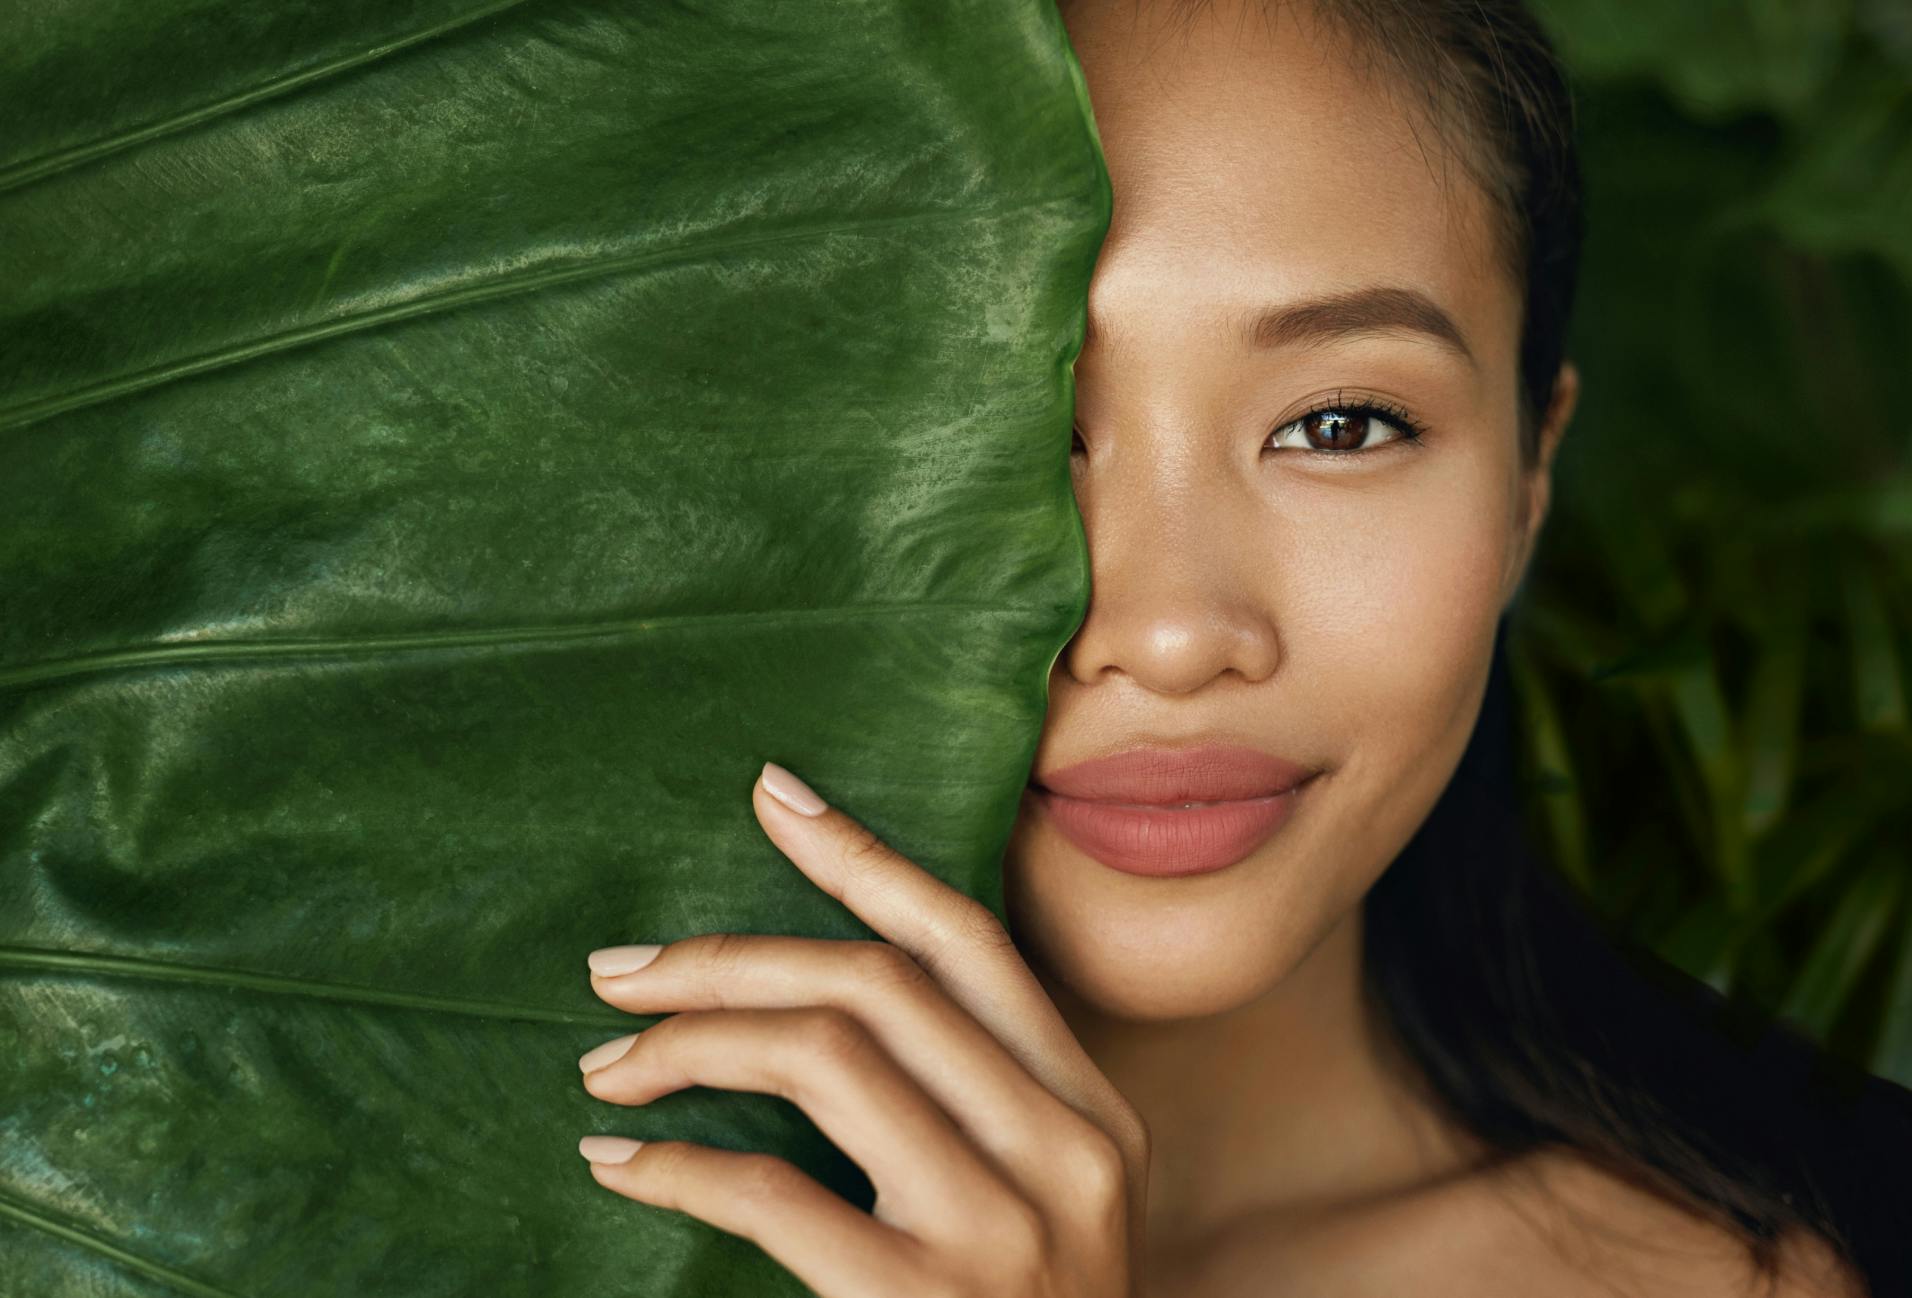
(826, 1063)
(954, 937)
(958, 1062)
(827, 1243)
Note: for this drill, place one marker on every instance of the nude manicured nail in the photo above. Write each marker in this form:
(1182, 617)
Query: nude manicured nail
(608, 1053)
(608, 1149)
(792, 792)
(607, 962)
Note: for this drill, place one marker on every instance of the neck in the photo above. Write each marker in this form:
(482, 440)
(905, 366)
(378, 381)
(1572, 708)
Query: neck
(1294, 1102)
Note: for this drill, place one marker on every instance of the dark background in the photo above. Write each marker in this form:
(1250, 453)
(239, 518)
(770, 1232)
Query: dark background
(1711, 650)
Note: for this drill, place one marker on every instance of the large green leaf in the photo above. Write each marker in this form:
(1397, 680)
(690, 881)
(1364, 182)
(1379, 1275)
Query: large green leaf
(447, 448)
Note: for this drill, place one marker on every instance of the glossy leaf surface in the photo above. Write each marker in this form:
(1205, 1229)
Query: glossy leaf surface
(446, 450)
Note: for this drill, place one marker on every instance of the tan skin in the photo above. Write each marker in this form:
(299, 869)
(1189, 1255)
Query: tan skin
(1169, 1086)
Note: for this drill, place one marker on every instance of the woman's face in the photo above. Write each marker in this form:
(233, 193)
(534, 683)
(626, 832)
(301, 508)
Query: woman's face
(1336, 609)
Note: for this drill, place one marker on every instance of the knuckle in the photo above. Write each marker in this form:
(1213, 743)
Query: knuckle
(667, 1159)
(718, 952)
(1097, 1165)
(977, 926)
(664, 1043)
(970, 929)
(864, 851)
(834, 1035)
(1020, 1238)
(666, 1166)
(887, 966)
(763, 1180)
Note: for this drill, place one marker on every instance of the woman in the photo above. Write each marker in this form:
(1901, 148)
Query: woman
(1332, 1033)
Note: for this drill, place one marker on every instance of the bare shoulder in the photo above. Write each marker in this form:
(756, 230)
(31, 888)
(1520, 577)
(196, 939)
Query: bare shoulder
(1584, 1227)
(1552, 1222)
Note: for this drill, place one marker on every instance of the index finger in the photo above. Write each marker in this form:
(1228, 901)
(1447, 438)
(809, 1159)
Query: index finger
(956, 938)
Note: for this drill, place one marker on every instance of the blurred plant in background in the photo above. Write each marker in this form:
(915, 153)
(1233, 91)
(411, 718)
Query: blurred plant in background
(1711, 650)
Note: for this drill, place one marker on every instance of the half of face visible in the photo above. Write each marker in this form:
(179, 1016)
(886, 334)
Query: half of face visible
(1298, 467)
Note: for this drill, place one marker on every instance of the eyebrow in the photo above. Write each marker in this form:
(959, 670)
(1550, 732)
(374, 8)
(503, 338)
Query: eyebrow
(1362, 311)
(1378, 310)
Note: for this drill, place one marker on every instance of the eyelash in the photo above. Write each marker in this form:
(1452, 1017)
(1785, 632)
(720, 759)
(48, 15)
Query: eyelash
(1387, 412)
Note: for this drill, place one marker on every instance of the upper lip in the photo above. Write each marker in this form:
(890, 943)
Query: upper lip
(1158, 774)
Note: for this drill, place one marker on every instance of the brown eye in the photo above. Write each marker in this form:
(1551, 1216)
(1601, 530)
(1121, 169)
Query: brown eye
(1338, 429)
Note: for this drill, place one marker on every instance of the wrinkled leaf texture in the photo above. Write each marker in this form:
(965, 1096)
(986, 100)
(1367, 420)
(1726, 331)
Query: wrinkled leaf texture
(446, 450)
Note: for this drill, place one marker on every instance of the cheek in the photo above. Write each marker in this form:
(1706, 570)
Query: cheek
(1393, 619)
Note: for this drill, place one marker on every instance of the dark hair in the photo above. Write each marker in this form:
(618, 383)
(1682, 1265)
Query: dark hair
(1537, 1022)
(1489, 80)
(1533, 1020)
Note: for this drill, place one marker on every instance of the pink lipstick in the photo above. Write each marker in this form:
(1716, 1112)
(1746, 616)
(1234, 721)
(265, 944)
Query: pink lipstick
(1133, 811)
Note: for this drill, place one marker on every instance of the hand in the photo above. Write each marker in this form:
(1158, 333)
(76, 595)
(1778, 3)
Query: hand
(1005, 1164)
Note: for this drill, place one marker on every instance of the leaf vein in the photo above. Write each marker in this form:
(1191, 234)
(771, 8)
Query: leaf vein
(31, 170)
(40, 1219)
(503, 286)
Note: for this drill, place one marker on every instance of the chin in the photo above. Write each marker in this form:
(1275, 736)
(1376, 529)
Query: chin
(1191, 990)
(1155, 950)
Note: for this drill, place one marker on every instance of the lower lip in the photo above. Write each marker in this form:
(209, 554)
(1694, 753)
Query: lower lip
(1168, 841)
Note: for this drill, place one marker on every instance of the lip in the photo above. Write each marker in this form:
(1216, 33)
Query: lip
(1126, 810)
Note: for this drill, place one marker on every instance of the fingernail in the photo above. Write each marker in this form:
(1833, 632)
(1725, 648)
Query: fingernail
(608, 1149)
(607, 962)
(792, 792)
(608, 1053)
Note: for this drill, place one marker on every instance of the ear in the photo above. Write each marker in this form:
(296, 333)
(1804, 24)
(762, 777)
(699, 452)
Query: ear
(1536, 486)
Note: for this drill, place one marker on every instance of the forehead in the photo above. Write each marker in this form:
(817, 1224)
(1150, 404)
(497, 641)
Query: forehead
(1257, 156)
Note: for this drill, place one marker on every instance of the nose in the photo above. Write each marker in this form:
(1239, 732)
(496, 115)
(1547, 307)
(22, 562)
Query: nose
(1183, 578)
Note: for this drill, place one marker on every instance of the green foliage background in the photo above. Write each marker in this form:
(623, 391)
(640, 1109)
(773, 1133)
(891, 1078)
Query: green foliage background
(1711, 650)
